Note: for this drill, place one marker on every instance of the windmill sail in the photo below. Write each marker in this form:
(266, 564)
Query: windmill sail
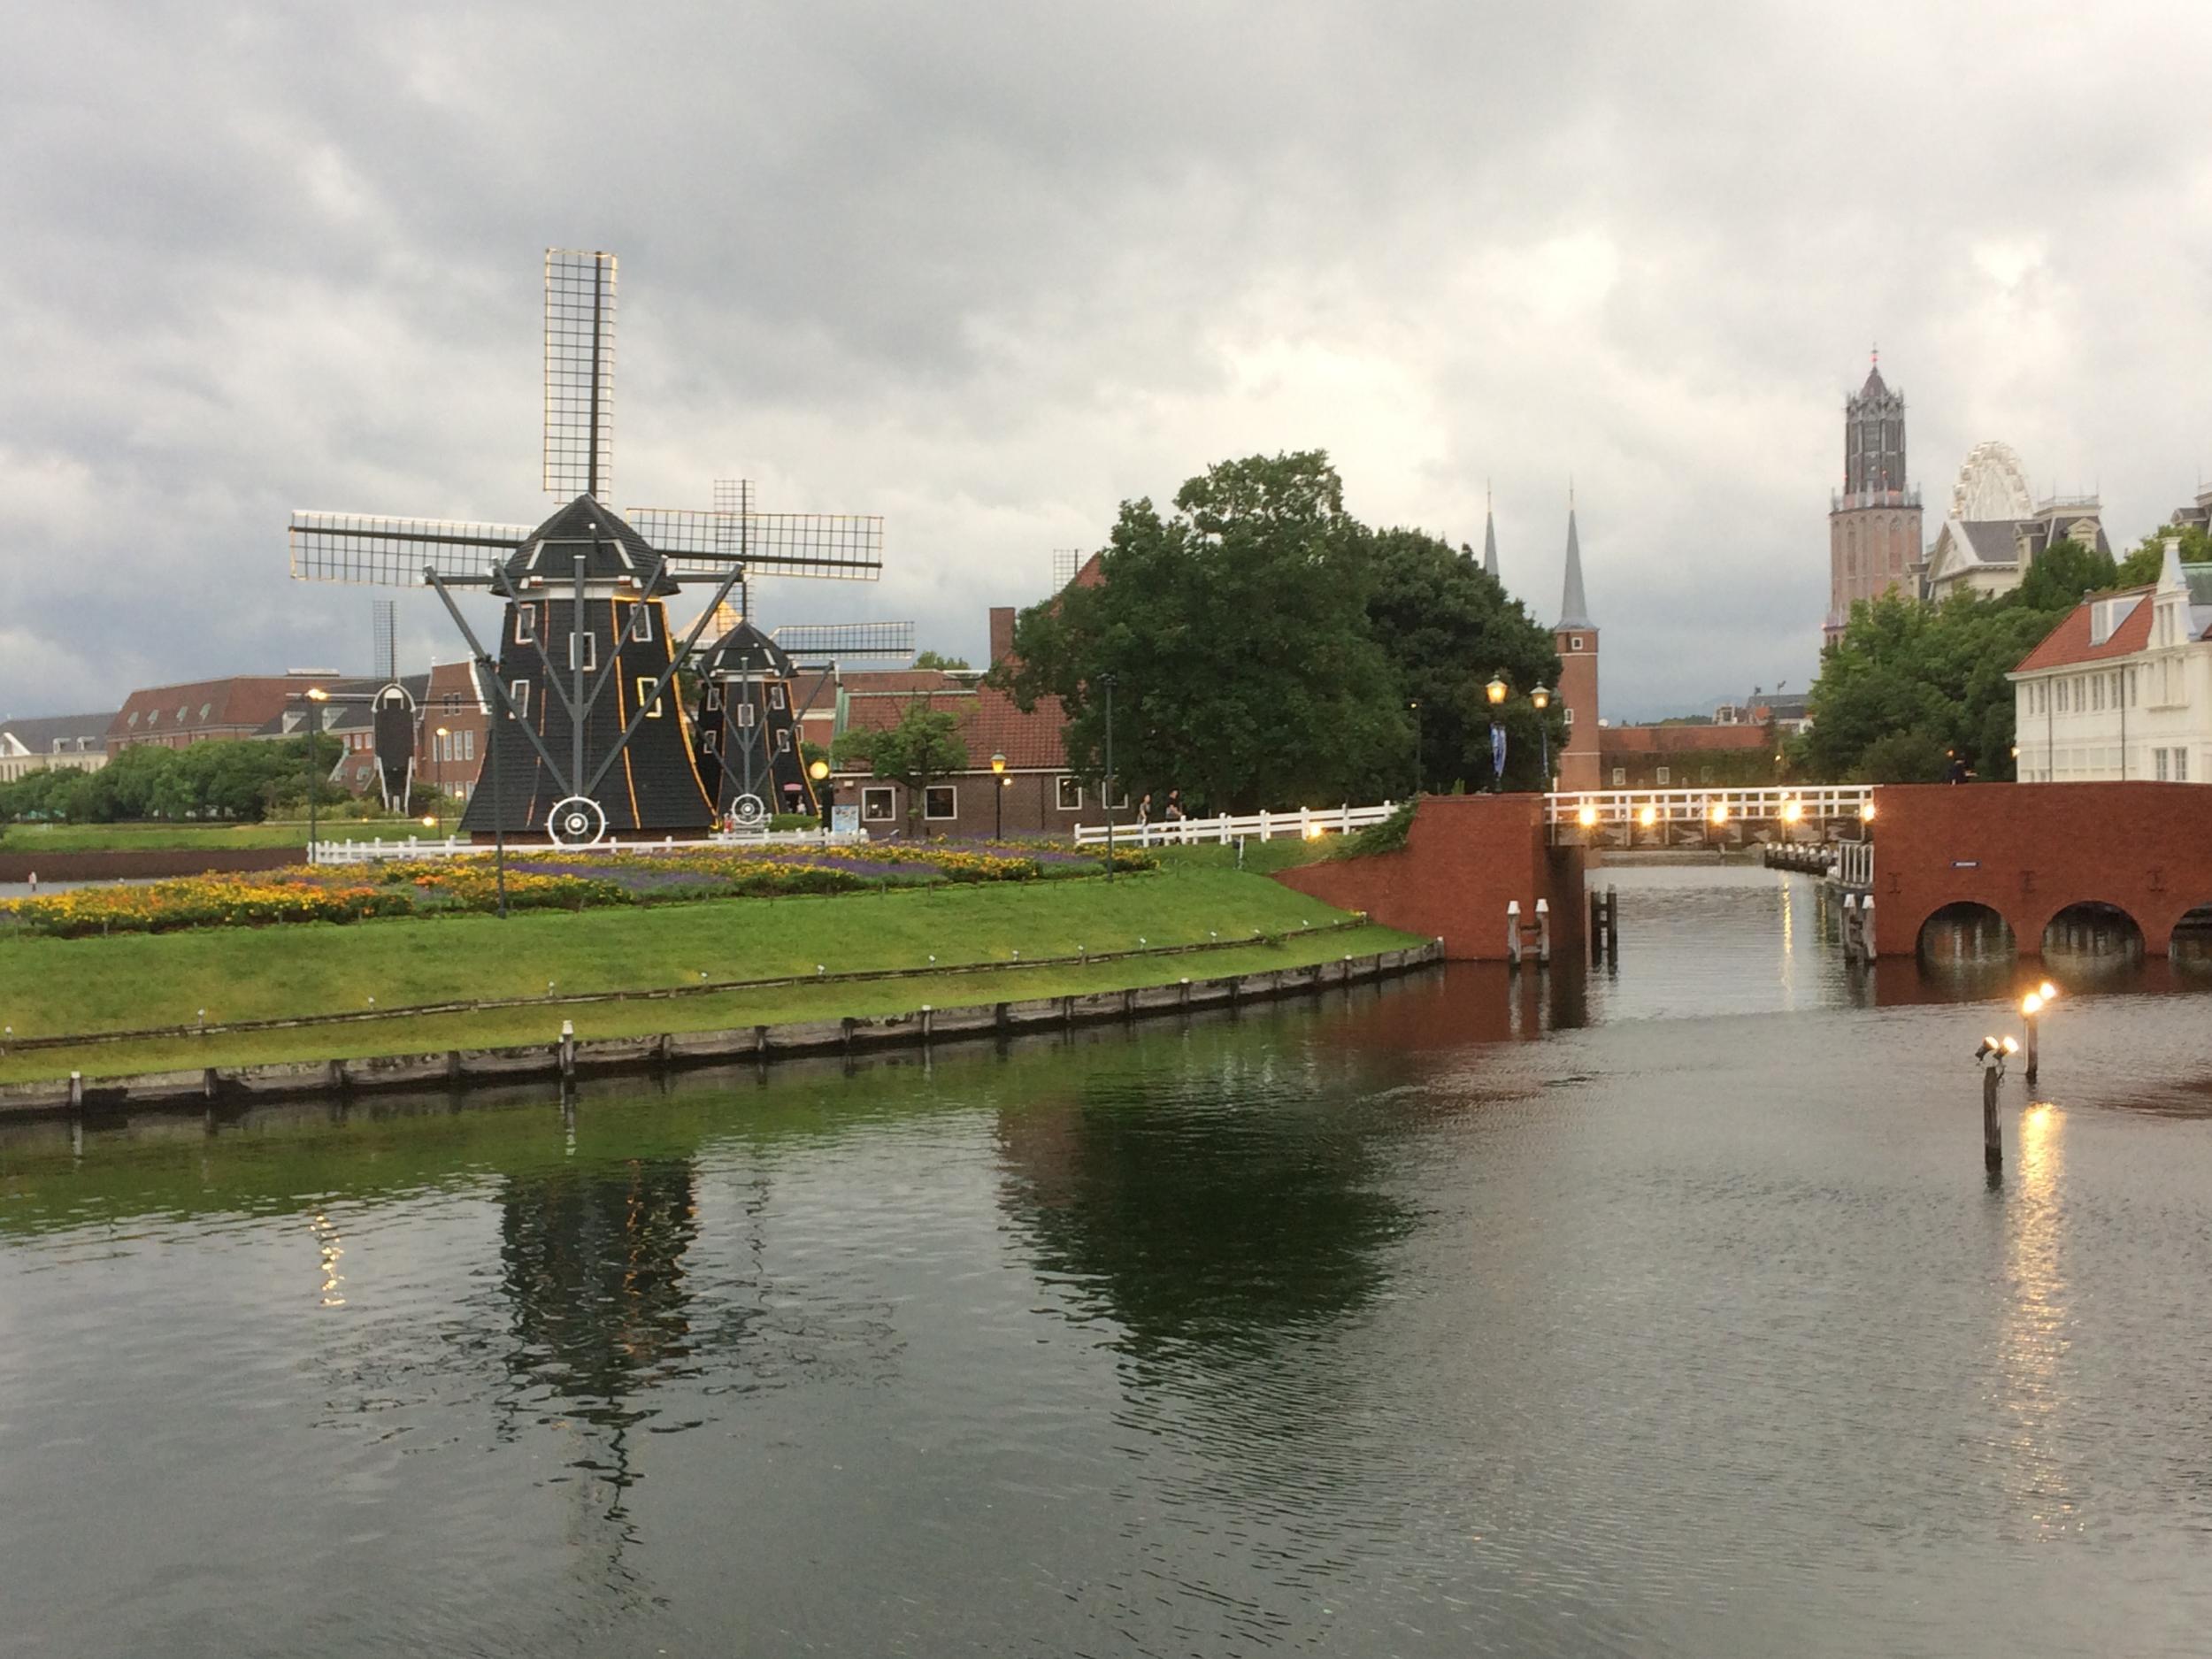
(695, 542)
(359, 547)
(579, 372)
(846, 640)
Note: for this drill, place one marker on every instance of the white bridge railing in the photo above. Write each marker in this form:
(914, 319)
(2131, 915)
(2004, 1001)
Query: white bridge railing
(1656, 809)
(539, 846)
(1306, 821)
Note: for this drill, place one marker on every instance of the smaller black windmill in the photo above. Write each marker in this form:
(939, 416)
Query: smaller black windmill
(750, 702)
(585, 738)
(391, 712)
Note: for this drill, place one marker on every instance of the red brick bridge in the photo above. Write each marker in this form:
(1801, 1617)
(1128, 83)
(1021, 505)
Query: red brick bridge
(2024, 851)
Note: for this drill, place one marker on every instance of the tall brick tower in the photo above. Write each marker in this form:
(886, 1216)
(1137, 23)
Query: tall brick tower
(1874, 521)
(1576, 638)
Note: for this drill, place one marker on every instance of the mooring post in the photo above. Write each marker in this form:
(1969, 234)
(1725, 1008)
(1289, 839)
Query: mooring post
(1594, 908)
(1612, 923)
(568, 1048)
(1850, 925)
(1866, 929)
(1993, 1140)
(1513, 931)
(1543, 931)
(2030, 1021)
(76, 1091)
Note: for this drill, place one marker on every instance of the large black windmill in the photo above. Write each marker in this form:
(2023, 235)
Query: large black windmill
(585, 739)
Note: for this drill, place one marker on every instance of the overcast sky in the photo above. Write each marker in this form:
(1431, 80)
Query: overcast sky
(988, 269)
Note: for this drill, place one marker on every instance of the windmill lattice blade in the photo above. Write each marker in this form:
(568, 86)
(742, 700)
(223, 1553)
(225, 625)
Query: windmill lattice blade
(848, 545)
(351, 547)
(579, 371)
(846, 639)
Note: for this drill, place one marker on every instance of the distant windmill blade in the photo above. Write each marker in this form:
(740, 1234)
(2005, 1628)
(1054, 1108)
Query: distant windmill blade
(843, 640)
(351, 547)
(847, 546)
(1065, 562)
(579, 371)
(384, 639)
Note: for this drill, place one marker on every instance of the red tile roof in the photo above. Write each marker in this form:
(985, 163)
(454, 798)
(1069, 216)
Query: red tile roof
(1663, 739)
(232, 707)
(2068, 641)
(989, 725)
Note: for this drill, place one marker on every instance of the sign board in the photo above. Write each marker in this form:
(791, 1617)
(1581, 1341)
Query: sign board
(1966, 863)
(844, 820)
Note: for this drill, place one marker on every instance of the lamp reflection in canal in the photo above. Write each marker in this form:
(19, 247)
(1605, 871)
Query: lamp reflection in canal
(331, 1249)
(2033, 1394)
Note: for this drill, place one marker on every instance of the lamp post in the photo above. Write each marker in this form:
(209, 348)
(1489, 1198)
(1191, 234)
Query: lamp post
(1107, 680)
(316, 695)
(825, 797)
(2032, 1005)
(998, 797)
(1495, 692)
(1542, 698)
(1416, 706)
(437, 783)
(500, 712)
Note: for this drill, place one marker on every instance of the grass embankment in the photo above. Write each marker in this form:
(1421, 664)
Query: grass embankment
(110, 838)
(51, 987)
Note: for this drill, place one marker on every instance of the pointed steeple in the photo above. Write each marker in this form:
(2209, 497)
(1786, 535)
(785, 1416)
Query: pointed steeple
(1489, 538)
(1574, 609)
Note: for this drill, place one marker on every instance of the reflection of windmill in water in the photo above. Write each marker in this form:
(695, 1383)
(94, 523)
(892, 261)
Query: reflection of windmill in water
(584, 738)
(758, 687)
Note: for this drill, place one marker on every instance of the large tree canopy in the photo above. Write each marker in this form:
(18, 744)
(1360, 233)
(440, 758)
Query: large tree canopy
(1908, 685)
(1264, 649)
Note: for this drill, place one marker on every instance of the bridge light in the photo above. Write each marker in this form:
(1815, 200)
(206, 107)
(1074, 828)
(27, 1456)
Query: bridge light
(1587, 816)
(1647, 817)
(1866, 811)
(1792, 809)
(1719, 814)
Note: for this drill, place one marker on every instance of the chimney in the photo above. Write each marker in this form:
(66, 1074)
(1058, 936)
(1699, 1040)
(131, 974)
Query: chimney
(1001, 634)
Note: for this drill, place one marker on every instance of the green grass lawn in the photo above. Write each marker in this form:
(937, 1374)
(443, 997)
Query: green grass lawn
(716, 1010)
(102, 838)
(56, 986)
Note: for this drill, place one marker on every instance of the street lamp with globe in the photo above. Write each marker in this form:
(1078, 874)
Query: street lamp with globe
(998, 781)
(818, 770)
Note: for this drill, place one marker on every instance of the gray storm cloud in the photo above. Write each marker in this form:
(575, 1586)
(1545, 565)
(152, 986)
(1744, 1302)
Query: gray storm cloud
(988, 269)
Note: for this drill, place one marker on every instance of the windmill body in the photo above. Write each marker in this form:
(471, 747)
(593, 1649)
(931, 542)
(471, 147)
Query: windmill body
(748, 730)
(588, 738)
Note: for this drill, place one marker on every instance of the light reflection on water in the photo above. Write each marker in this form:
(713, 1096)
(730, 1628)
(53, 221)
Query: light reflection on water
(1665, 1311)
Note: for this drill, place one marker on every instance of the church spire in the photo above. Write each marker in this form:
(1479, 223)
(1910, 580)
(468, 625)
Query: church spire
(1489, 537)
(1574, 608)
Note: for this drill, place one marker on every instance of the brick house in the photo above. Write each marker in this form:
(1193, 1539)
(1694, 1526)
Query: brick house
(1685, 756)
(1038, 794)
(176, 717)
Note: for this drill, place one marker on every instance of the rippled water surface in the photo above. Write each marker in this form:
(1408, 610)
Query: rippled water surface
(1665, 1310)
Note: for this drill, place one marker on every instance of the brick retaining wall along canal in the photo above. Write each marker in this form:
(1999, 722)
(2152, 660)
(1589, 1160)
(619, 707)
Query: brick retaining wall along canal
(194, 1089)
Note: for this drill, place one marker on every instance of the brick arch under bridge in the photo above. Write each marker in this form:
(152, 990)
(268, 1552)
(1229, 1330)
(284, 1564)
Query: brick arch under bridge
(2029, 850)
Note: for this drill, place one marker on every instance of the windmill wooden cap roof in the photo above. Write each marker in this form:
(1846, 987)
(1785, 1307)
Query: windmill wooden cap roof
(612, 551)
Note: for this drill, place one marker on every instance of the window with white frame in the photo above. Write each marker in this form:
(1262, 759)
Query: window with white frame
(583, 649)
(1620, 777)
(1069, 792)
(1570, 714)
(940, 801)
(2181, 765)
(2158, 765)
(646, 700)
(714, 699)
(878, 803)
(520, 692)
(468, 744)
(783, 740)
(775, 697)
(641, 622)
(1574, 641)
(1664, 776)
(526, 624)
(746, 713)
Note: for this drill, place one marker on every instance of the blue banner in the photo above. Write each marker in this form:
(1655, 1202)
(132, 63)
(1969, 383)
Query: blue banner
(1497, 750)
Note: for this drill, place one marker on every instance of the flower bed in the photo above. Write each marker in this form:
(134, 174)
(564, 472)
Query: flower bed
(555, 880)
(201, 902)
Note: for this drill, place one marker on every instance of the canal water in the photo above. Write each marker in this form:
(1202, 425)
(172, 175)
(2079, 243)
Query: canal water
(1664, 1310)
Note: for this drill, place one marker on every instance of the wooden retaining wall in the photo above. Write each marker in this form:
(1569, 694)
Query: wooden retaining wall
(761, 1044)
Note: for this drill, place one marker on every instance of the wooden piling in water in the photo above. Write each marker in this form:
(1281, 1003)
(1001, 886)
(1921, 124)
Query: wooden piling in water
(1993, 1140)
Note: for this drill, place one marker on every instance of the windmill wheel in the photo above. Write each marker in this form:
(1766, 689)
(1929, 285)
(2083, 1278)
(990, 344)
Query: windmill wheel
(577, 821)
(750, 811)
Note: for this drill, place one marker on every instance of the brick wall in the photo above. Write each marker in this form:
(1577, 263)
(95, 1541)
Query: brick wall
(2029, 850)
(1464, 859)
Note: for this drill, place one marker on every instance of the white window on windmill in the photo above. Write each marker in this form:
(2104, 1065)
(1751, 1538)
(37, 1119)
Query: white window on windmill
(646, 699)
(583, 649)
(526, 624)
(520, 692)
(713, 704)
(641, 622)
(775, 698)
(709, 739)
(783, 740)
(747, 715)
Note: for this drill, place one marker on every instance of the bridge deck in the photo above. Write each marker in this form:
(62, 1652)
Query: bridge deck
(1666, 816)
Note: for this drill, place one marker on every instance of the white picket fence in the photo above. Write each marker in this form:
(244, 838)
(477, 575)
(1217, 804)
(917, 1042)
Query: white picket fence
(370, 852)
(1306, 822)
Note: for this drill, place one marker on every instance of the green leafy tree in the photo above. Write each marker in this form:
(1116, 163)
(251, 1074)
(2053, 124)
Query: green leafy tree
(2061, 573)
(1448, 626)
(925, 746)
(2140, 568)
(1235, 629)
(939, 660)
